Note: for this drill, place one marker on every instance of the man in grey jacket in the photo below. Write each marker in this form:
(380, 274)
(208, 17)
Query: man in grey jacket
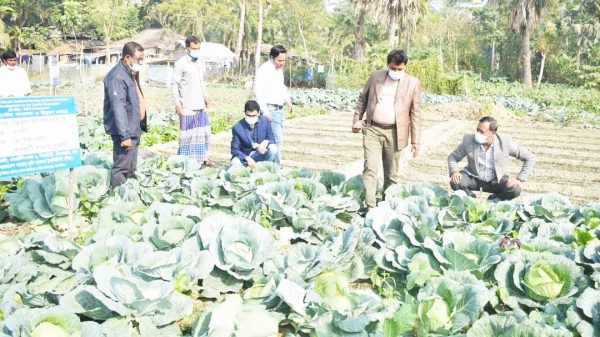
(125, 112)
(487, 153)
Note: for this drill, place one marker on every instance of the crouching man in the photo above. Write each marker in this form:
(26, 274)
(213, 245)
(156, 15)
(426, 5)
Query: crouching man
(487, 153)
(252, 138)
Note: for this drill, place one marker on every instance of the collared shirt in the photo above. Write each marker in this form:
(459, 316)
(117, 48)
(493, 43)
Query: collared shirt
(384, 110)
(269, 87)
(485, 162)
(14, 82)
(252, 132)
(187, 84)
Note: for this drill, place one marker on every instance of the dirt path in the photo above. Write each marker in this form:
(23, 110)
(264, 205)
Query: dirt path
(565, 162)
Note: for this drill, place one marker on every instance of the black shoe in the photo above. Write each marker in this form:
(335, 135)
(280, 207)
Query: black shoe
(493, 198)
(470, 193)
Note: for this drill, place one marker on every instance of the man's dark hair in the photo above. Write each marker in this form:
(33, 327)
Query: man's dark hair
(130, 48)
(397, 56)
(276, 50)
(492, 121)
(190, 40)
(9, 54)
(251, 105)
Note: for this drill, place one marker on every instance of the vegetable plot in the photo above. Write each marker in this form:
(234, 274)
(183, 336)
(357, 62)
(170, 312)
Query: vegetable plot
(285, 252)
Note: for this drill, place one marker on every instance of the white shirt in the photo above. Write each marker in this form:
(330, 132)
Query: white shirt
(385, 112)
(14, 82)
(487, 170)
(269, 87)
(187, 84)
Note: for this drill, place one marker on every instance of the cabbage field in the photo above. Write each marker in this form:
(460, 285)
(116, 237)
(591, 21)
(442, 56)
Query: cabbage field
(292, 251)
(287, 252)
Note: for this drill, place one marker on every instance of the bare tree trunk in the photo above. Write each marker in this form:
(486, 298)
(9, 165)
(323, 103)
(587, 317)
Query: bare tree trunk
(441, 59)
(258, 36)
(408, 37)
(240, 37)
(393, 27)
(455, 57)
(527, 57)
(303, 42)
(493, 59)
(539, 81)
(359, 47)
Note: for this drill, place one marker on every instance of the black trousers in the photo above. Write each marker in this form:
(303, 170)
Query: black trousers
(124, 161)
(498, 189)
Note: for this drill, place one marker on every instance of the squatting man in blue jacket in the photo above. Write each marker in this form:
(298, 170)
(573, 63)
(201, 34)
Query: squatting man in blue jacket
(253, 139)
(487, 155)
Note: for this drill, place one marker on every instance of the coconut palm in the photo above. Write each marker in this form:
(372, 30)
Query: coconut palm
(361, 7)
(405, 12)
(4, 37)
(524, 17)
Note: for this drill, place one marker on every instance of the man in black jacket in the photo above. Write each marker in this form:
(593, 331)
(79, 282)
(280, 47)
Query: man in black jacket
(125, 112)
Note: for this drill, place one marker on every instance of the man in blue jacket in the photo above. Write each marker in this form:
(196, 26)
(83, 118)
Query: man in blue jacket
(125, 112)
(252, 138)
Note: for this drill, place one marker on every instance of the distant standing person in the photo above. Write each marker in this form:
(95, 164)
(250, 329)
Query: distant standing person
(391, 100)
(125, 112)
(271, 93)
(13, 79)
(487, 155)
(191, 103)
(252, 140)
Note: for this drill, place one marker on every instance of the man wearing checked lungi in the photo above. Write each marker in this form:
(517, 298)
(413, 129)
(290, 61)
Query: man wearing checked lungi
(191, 103)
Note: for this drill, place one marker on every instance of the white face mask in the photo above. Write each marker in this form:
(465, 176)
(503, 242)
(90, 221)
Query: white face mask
(194, 54)
(395, 75)
(251, 120)
(136, 67)
(11, 67)
(480, 138)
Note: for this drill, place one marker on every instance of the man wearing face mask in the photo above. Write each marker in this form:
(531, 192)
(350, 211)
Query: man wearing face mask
(252, 139)
(189, 94)
(13, 79)
(391, 102)
(487, 153)
(125, 112)
(271, 93)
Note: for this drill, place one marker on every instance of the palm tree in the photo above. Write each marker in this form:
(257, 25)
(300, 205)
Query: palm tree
(361, 7)
(4, 37)
(524, 17)
(405, 12)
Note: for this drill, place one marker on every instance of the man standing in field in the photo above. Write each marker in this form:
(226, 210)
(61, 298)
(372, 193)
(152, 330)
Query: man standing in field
(487, 153)
(125, 112)
(271, 93)
(191, 103)
(13, 79)
(391, 101)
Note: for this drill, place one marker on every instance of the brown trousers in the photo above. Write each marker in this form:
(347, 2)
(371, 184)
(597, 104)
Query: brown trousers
(379, 144)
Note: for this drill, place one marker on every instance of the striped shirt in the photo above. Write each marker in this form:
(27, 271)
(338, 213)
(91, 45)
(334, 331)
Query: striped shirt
(485, 162)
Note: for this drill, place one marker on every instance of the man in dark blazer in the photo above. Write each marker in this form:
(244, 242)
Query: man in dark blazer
(125, 112)
(389, 114)
(253, 139)
(487, 153)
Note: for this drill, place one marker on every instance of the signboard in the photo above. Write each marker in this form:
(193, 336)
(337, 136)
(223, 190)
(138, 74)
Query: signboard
(54, 70)
(38, 134)
(321, 69)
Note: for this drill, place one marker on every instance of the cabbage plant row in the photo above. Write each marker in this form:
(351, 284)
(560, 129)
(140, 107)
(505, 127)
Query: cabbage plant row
(184, 251)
